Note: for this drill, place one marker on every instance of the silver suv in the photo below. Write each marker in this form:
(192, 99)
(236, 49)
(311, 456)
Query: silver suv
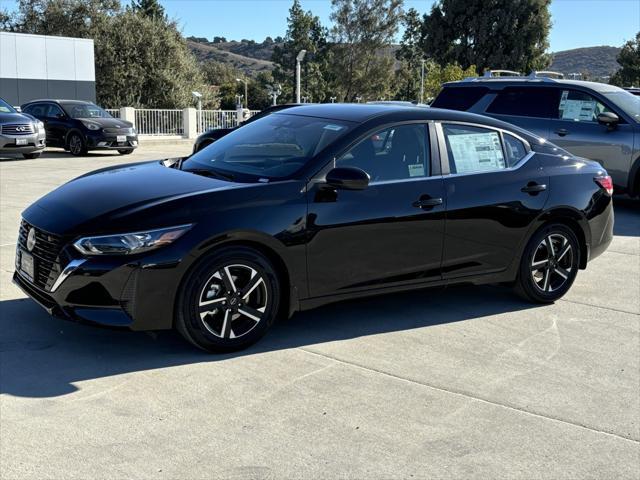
(20, 133)
(592, 120)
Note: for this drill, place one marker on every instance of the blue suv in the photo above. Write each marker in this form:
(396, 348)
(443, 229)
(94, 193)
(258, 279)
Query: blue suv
(592, 120)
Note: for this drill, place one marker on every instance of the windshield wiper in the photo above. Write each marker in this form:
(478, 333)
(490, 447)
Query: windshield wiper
(205, 172)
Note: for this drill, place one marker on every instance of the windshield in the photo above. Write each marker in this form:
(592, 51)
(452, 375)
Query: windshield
(6, 108)
(627, 102)
(272, 147)
(84, 110)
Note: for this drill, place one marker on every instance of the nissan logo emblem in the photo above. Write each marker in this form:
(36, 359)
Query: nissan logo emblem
(31, 240)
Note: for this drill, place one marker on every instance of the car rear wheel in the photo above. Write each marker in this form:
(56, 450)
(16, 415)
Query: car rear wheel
(549, 264)
(31, 156)
(77, 145)
(229, 300)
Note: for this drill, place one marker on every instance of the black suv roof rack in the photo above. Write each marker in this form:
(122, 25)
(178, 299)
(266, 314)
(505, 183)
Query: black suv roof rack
(542, 75)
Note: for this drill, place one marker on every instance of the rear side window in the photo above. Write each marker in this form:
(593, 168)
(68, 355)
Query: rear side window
(514, 149)
(473, 149)
(459, 98)
(36, 109)
(540, 102)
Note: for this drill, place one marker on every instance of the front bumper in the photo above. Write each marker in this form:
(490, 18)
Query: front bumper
(34, 142)
(100, 140)
(116, 291)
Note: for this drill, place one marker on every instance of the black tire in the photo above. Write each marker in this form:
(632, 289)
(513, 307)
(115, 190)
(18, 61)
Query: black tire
(125, 152)
(229, 325)
(77, 145)
(31, 156)
(549, 264)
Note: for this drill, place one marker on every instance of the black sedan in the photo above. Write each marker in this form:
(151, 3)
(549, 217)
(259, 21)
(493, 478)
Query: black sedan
(310, 206)
(79, 126)
(210, 136)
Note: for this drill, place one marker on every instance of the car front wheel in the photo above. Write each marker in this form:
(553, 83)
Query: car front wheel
(77, 145)
(549, 264)
(229, 300)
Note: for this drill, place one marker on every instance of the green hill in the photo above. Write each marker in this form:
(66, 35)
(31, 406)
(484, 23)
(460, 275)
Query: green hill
(597, 62)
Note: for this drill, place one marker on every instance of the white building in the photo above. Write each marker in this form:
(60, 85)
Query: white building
(38, 66)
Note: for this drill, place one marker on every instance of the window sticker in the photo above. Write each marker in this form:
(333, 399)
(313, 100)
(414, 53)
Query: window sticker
(335, 128)
(475, 152)
(416, 170)
(578, 110)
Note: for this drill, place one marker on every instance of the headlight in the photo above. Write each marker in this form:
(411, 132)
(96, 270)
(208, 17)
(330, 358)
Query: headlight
(40, 127)
(130, 243)
(91, 125)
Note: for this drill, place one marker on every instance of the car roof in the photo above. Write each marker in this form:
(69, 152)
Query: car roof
(501, 82)
(360, 113)
(58, 100)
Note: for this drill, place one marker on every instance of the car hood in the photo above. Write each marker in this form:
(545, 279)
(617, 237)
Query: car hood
(101, 200)
(108, 122)
(16, 118)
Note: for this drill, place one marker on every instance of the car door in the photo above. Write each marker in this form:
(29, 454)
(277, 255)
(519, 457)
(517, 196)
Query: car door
(494, 190)
(55, 125)
(575, 128)
(389, 234)
(529, 107)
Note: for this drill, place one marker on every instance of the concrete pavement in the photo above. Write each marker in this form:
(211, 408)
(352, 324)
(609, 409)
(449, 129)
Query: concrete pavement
(466, 382)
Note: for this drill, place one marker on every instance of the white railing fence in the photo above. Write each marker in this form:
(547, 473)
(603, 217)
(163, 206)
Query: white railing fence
(159, 122)
(186, 123)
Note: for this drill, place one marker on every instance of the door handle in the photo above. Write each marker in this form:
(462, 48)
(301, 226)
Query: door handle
(533, 188)
(562, 132)
(427, 203)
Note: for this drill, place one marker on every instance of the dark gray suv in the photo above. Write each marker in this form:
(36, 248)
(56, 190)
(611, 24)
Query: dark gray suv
(592, 120)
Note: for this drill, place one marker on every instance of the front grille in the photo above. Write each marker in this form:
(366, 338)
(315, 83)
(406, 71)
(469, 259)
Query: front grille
(17, 129)
(46, 251)
(119, 131)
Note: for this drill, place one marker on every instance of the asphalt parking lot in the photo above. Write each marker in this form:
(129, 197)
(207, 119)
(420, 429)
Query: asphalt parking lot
(465, 382)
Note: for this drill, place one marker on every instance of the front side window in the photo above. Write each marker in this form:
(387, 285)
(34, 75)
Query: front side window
(473, 149)
(579, 107)
(538, 102)
(514, 149)
(396, 153)
(272, 147)
(54, 111)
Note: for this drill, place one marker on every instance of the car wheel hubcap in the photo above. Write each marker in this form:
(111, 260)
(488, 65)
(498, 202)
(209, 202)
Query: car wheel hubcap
(552, 263)
(233, 301)
(75, 144)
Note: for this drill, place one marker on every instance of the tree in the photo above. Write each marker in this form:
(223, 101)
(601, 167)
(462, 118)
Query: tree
(509, 34)
(410, 55)
(72, 18)
(436, 75)
(362, 63)
(149, 8)
(304, 32)
(629, 60)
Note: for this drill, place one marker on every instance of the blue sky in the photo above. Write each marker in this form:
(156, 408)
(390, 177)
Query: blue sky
(576, 23)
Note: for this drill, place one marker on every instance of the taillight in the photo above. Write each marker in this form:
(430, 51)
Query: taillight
(605, 182)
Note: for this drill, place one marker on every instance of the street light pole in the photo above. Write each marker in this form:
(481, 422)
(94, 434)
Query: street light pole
(422, 82)
(299, 59)
(246, 90)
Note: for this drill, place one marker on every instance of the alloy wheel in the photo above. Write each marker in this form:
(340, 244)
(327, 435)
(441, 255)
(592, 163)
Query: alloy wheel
(552, 263)
(233, 301)
(75, 144)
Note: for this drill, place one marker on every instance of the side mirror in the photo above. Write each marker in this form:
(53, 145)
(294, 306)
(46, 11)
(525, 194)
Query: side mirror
(61, 116)
(608, 119)
(347, 178)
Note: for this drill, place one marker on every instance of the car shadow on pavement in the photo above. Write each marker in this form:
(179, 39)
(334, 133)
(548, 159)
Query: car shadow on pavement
(43, 357)
(627, 216)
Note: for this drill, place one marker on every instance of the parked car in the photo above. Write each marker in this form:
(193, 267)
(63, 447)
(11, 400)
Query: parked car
(79, 126)
(592, 120)
(20, 133)
(299, 209)
(210, 136)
